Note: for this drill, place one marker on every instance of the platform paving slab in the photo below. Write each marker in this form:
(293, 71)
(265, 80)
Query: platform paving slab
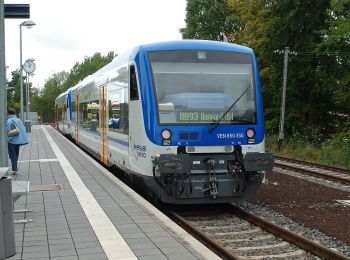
(67, 225)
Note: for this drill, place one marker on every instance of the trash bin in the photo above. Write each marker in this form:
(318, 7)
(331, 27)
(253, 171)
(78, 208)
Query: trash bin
(28, 126)
(7, 233)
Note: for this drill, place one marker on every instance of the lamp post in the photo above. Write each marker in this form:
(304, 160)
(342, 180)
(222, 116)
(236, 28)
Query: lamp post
(6, 67)
(29, 24)
(29, 67)
(27, 97)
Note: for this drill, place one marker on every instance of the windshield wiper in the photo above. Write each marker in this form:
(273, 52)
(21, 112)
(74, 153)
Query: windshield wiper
(216, 122)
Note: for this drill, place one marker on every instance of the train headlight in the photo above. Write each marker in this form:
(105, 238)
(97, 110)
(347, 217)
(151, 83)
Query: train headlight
(166, 135)
(250, 133)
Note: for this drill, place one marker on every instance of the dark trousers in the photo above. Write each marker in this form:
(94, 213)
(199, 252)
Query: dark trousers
(13, 154)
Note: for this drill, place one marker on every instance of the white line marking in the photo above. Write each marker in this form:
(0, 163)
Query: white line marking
(111, 241)
(39, 160)
(168, 223)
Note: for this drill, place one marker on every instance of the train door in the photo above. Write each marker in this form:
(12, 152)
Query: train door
(77, 119)
(103, 122)
(69, 112)
(57, 115)
(137, 141)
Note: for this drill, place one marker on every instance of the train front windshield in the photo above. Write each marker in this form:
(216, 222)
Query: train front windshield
(198, 87)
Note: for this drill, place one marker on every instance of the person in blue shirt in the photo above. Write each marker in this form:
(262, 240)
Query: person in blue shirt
(14, 142)
(114, 122)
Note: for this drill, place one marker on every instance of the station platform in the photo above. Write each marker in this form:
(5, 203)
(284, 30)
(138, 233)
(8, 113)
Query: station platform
(82, 211)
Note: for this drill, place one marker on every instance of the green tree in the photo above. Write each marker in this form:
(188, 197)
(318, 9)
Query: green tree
(46, 103)
(89, 66)
(336, 45)
(34, 99)
(256, 29)
(13, 91)
(60, 82)
(206, 19)
(270, 26)
(301, 23)
(318, 79)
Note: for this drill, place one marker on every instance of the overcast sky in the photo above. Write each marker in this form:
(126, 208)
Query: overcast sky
(68, 30)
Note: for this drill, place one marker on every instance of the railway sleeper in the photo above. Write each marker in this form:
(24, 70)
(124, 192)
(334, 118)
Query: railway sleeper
(297, 253)
(274, 246)
(265, 238)
(227, 227)
(243, 232)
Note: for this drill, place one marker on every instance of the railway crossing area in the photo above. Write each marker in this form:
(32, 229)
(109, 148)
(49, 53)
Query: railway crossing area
(82, 211)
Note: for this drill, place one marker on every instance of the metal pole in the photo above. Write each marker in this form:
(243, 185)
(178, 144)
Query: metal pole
(21, 72)
(28, 86)
(3, 91)
(27, 98)
(7, 237)
(283, 104)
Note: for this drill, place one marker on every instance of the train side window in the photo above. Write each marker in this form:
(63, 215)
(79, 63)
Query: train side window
(134, 93)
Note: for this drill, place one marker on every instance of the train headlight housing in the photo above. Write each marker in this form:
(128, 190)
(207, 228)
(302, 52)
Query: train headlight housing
(250, 134)
(166, 135)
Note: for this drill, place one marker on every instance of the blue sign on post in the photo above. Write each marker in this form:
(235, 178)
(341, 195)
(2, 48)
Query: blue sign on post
(17, 10)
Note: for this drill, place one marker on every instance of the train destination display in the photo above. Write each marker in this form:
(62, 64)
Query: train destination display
(204, 116)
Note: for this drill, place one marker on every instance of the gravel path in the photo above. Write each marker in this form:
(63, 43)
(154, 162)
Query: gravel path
(306, 206)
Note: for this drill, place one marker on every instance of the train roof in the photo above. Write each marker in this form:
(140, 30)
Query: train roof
(193, 44)
(61, 95)
(172, 45)
(130, 54)
(119, 59)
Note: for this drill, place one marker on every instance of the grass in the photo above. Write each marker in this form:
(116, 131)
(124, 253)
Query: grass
(334, 151)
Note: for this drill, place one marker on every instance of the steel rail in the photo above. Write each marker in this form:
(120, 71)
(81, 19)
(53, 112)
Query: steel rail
(323, 166)
(313, 172)
(303, 243)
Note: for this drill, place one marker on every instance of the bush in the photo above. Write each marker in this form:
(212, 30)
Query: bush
(332, 151)
(336, 151)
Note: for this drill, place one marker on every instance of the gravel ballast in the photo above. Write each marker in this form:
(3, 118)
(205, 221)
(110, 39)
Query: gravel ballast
(307, 206)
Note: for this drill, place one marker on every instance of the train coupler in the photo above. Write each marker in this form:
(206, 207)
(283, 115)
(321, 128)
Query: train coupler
(211, 186)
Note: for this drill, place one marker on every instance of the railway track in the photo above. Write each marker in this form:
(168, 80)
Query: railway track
(335, 174)
(233, 233)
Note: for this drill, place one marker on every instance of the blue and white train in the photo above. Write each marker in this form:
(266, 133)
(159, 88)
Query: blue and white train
(183, 119)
